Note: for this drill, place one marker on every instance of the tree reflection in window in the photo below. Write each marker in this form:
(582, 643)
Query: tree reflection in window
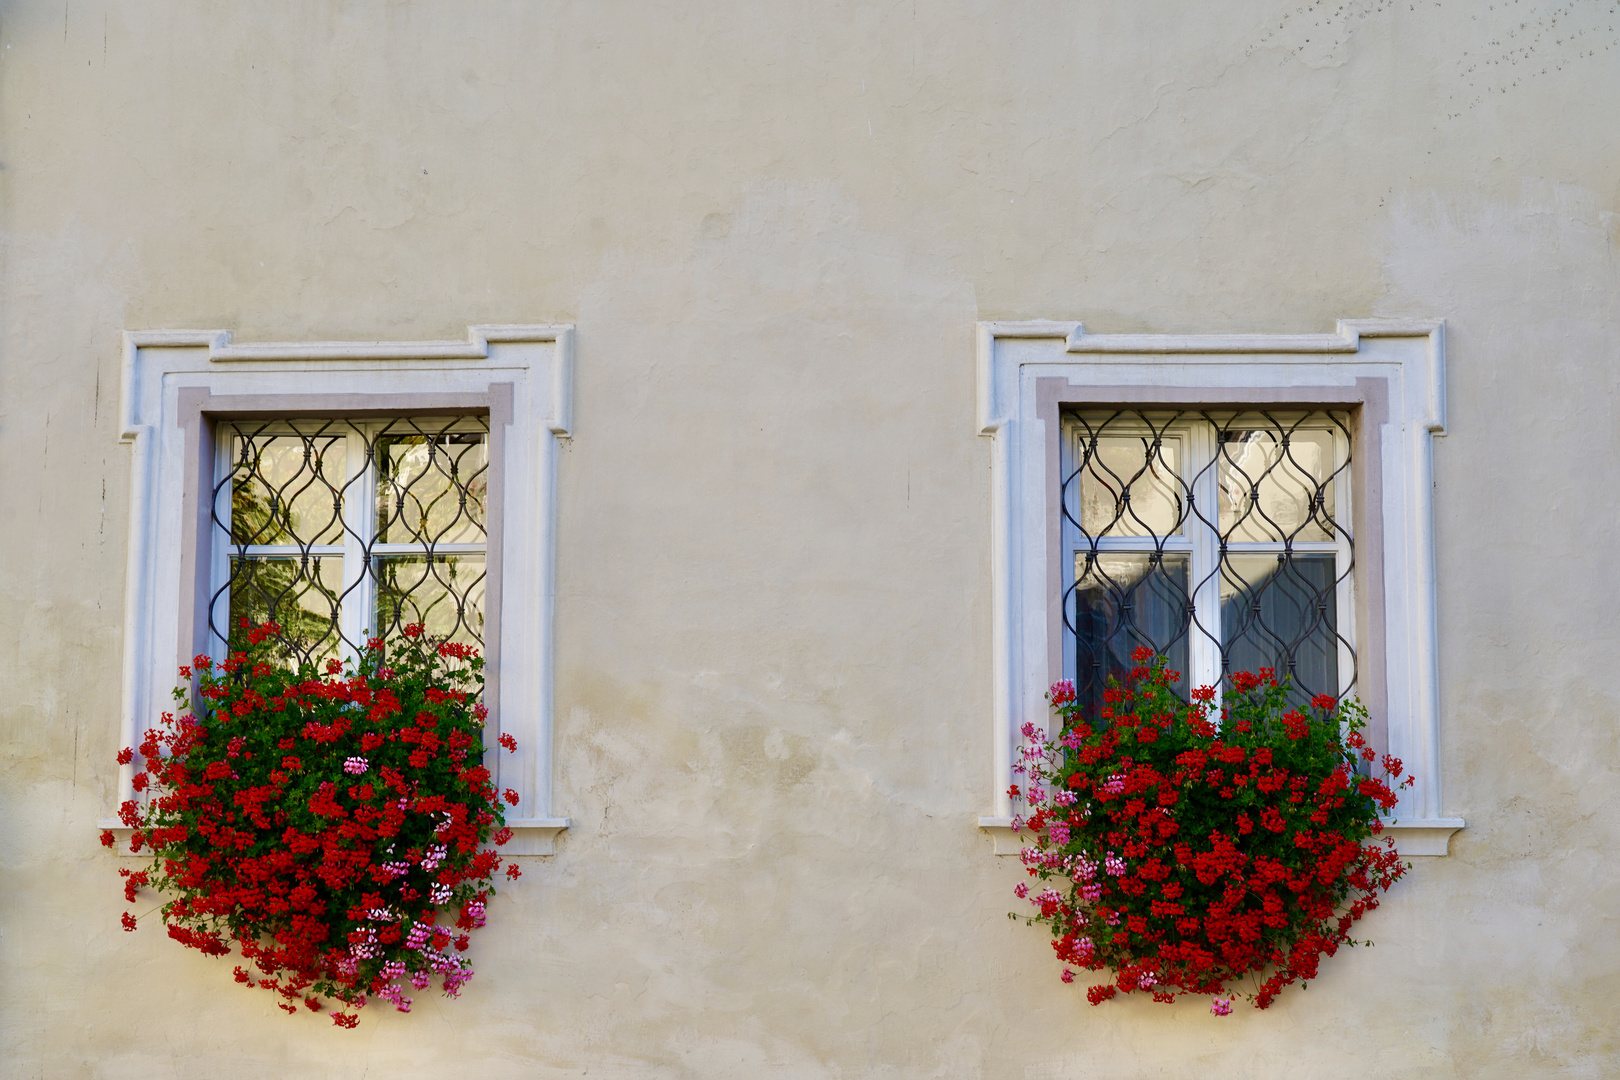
(338, 531)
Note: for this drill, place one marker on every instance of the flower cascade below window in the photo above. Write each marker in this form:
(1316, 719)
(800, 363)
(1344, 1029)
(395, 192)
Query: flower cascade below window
(329, 825)
(1189, 846)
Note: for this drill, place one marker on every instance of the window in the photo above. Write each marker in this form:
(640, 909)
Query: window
(339, 531)
(1232, 501)
(1220, 540)
(346, 490)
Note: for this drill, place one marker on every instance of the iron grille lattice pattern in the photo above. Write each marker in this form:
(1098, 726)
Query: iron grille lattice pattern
(340, 531)
(1218, 540)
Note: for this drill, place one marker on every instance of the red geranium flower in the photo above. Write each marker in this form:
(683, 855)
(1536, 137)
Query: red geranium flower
(306, 819)
(1188, 851)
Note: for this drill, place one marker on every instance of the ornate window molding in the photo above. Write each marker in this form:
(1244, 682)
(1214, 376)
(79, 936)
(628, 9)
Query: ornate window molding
(176, 384)
(1388, 374)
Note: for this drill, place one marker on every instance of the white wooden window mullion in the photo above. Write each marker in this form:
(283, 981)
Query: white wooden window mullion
(423, 549)
(1343, 548)
(1138, 544)
(1204, 637)
(359, 519)
(220, 550)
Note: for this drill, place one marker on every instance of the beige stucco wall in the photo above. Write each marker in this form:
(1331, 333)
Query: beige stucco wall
(775, 225)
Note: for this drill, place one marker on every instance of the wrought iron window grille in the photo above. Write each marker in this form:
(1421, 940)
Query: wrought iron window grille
(340, 530)
(1220, 540)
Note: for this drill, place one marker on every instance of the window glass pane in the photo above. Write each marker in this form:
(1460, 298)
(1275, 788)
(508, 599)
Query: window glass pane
(445, 593)
(300, 594)
(1276, 485)
(1274, 607)
(286, 488)
(1122, 601)
(431, 483)
(1130, 485)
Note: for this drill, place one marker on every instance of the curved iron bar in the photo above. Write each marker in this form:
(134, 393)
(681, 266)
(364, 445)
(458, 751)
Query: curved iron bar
(285, 500)
(1290, 615)
(1315, 601)
(403, 496)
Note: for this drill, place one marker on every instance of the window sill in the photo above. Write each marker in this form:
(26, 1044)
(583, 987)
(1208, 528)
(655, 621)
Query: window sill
(530, 836)
(1413, 837)
(534, 836)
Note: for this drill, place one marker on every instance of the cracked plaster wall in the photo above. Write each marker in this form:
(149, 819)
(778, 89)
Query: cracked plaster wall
(775, 226)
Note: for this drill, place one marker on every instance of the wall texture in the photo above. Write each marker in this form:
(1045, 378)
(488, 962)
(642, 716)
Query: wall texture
(775, 225)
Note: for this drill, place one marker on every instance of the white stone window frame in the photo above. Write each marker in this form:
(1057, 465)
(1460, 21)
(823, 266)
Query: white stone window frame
(1390, 374)
(177, 383)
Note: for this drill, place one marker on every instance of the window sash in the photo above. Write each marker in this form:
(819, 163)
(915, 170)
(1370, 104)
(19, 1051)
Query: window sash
(360, 552)
(1196, 436)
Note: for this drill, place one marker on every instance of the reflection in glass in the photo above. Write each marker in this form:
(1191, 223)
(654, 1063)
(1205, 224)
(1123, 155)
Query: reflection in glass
(287, 489)
(431, 487)
(1130, 486)
(445, 593)
(300, 594)
(1122, 601)
(1276, 485)
(1281, 612)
